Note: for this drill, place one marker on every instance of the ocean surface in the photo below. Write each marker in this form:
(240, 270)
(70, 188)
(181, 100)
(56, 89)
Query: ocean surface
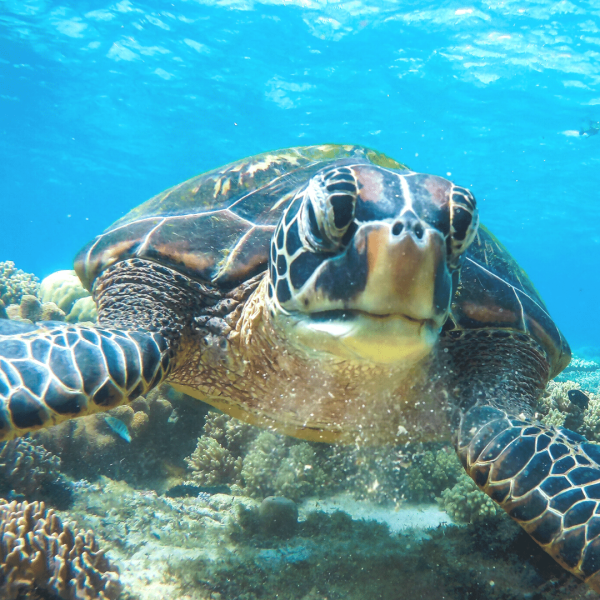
(104, 104)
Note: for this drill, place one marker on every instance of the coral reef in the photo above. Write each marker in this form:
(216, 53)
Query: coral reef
(31, 310)
(163, 427)
(255, 463)
(591, 419)
(213, 464)
(33, 473)
(555, 408)
(556, 396)
(83, 311)
(63, 288)
(38, 552)
(260, 463)
(584, 371)
(373, 473)
(466, 503)
(431, 473)
(14, 283)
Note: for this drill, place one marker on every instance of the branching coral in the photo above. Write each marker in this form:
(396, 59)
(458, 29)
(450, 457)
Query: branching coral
(26, 468)
(213, 464)
(256, 463)
(591, 419)
(431, 473)
(38, 552)
(14, 283)
(556, 396)
(465, 502)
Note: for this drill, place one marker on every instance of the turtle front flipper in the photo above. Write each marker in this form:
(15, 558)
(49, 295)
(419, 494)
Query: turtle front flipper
(546, 479)
(53, 371)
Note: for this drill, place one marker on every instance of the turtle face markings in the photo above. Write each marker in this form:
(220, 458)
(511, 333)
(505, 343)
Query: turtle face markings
(364, 256)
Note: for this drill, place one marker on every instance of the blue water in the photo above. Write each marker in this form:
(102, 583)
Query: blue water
(104, 104)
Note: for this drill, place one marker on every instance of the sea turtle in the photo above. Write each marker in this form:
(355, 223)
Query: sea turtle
(333, 294)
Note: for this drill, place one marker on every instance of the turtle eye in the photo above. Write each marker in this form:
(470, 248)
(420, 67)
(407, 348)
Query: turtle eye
(328, 209)
(464, 220)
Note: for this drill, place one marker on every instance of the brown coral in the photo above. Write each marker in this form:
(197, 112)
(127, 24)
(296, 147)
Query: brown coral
(163, 428)
(14, 283)
(212, 464)
(38, 552)
(26, 468)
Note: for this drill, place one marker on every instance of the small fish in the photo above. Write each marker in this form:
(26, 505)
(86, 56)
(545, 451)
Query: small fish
(593, 129)
(12, 495)
(578, 398)
(118, 427)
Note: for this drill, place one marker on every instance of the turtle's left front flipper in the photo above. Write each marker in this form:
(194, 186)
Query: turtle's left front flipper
(546, 479)
(51, 372)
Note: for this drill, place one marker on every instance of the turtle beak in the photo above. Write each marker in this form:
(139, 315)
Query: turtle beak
(408, 272)
(396, 294)
(388, 269)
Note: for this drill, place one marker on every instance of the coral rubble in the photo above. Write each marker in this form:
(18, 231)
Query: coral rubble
(39, 552)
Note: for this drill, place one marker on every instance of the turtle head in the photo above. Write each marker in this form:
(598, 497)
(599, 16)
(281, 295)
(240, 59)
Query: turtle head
(361, 263)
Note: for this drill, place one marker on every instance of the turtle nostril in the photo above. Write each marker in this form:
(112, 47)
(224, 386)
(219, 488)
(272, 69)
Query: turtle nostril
(397, 228)
(418, 229)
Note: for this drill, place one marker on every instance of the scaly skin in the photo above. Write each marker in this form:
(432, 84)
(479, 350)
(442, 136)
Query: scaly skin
(546, 479)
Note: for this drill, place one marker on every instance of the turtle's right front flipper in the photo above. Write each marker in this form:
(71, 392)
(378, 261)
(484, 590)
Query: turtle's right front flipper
(52, 372)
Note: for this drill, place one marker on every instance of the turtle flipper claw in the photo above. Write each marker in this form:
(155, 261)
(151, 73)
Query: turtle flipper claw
(546, 479)
(52, 372)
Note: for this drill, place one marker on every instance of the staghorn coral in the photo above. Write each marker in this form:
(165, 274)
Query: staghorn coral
(38, 552)
(14, 283)
(465, 502)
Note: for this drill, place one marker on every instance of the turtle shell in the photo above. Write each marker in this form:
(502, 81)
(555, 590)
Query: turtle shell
(216, 227)
(495, 293)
